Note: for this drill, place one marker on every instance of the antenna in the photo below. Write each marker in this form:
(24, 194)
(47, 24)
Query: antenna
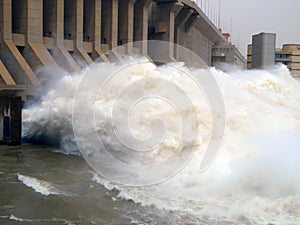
(230, 28)
(211, 13)
(238, 39)
(208, 9)
(219, 20)
(215, 17)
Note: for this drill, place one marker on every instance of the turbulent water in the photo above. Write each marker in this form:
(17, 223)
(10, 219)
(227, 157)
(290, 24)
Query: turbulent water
(254, 179)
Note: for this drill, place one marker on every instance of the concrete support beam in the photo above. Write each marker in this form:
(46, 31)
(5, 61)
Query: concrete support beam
(38, 56)
(141, 21)
(180, 21)
(180, 34)
(5, 75)
(109, 23)
(190, 22)
(78, 17)
(34, 29)
(60, 53)
(17, 65)
(96, 25)
(6, 20)
(83, 56)
(65, 60)
(125, 24)
(59, 22)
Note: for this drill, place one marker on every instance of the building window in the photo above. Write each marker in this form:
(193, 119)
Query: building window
(281, 56)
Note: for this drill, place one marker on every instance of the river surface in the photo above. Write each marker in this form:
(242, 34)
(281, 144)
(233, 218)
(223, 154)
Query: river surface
(62, 191)
(41, 186)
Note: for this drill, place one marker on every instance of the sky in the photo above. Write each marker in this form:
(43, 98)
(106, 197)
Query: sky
(243, 18)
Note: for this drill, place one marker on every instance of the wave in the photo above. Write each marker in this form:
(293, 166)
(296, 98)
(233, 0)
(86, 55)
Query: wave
(40, 186)
(54, 220)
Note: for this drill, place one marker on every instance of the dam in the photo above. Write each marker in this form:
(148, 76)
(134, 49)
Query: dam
(69, 35)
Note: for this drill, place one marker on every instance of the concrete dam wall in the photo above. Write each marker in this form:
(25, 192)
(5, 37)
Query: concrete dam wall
(71, 34)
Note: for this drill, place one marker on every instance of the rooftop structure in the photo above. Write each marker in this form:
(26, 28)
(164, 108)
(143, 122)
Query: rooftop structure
(263, 50)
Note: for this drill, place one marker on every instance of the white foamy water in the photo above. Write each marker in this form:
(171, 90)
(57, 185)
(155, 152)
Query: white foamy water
(54, 220)
(40, 186)
(255, 178)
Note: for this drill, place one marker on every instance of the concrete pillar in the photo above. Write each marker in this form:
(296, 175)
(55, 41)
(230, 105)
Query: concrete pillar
(35, 52)
(165, 24)
(62, 30)
(125, 24)
(180, 34)
(109, 23)
(180, 21)
(58, 22)
(5, 20)
(97, 51)
(190, 22)
(141, 25)
(10, 120)
(73, 31)
(34, 28)
(84, 58)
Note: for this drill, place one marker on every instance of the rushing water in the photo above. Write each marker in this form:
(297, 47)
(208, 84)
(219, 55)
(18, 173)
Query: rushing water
(254, 180)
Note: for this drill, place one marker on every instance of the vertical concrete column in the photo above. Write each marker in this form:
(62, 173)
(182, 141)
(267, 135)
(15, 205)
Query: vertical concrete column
(114, 23)
(59, 22)
(97, 51)
(180, 35)
(79, 23)
(35, 52)
(5, 20)
(190, 22)
(166, 23)
(97, 22)
(109, 23)
(34, 29)
(141, 25)
(180, 21)
(79, 34)
(1, 116)
(10, 120)
(60, 53)
(125, 23)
